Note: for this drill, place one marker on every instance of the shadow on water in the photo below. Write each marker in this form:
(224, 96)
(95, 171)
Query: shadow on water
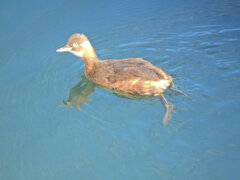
(80, 93)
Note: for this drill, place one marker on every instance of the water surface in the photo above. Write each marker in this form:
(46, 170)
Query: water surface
(197, 42)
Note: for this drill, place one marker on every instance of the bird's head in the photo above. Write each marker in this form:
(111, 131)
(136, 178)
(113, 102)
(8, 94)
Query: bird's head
(79, 45)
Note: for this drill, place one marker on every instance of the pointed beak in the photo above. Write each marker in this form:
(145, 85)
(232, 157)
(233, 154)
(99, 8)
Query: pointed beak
(64, 49)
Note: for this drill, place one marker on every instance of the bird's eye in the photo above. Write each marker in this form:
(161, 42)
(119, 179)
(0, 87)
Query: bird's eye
(75, 45)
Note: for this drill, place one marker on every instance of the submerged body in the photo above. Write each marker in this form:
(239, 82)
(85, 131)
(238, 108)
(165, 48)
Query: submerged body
(134, 76)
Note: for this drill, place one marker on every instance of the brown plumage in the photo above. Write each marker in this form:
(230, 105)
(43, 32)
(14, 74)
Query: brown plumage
(132, 75)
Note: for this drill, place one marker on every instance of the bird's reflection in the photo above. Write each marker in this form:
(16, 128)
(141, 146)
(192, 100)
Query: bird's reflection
(80, 93)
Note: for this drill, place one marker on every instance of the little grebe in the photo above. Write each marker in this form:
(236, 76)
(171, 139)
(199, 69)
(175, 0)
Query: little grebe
(134, 76)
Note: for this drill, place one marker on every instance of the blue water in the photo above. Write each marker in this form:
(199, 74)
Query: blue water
(197, 42)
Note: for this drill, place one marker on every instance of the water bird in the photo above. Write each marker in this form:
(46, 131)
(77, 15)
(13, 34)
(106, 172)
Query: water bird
(130, 77)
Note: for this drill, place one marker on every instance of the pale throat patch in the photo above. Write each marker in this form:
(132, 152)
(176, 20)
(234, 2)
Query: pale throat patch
(79, 54)
(87, 46)
(87, 50)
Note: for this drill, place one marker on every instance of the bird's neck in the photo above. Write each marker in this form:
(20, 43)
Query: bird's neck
(89, 57)
(90, 64)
